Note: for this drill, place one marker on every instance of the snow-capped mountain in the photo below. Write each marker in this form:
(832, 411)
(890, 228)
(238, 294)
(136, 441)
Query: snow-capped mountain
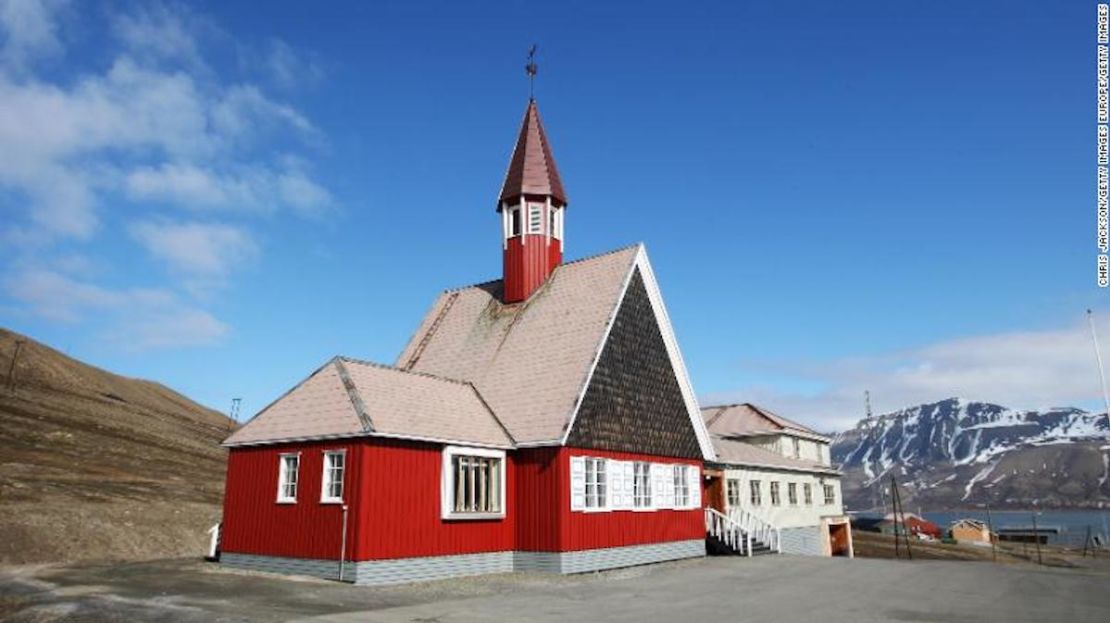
(960, 453)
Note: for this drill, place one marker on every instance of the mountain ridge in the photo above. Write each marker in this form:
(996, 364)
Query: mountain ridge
(958, 452)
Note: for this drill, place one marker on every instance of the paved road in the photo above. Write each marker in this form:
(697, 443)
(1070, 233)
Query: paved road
(780, 589)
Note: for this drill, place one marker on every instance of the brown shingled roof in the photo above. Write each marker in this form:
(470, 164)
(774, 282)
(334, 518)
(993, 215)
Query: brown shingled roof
(532, 168)
(530, 360)
(347, 397)
(745, 419)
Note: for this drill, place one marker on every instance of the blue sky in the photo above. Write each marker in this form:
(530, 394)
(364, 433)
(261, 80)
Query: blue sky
(891, 196)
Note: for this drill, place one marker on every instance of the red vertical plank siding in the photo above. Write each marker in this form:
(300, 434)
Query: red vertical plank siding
(392, 488)
(621, 528)
(400, 516)
(255, 523)
(529, 261)
(540, 491)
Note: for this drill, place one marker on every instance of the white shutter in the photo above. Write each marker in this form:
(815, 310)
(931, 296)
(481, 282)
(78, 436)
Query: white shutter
(658, 485)
(668, 487)
(629, 484)
(577, 483)
(694, 475)
(615, 489)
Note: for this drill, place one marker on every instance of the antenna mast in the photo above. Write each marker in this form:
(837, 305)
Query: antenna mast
(234, 414)
(867, 401)
(1098, 358)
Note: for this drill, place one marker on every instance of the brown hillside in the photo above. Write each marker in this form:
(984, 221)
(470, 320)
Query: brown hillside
(98, 466)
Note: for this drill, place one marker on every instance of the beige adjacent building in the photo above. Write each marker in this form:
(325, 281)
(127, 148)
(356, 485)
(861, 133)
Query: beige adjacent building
(776, 477)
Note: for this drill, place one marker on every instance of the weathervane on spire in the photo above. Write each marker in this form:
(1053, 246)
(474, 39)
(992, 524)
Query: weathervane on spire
(531, 69)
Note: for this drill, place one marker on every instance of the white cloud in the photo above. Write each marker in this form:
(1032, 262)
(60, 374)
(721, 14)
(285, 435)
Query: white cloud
(1023, 370)
(139, 318)
(290, 69)
(204, 250)
(248, 189)
(161, 32)
(156, 130)
(29, 30)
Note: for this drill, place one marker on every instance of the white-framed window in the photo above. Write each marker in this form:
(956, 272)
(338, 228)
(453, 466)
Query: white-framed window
(288, 466)
(776, 499)
(473, 483)
(514, 222)
(641, 485)
(797, 448)
(597, 481)
(682, 486)
(792, 493)
(756, 492)
(807, 491)
(732, 491)
(335, 464)
(535, 218)
(830, 495)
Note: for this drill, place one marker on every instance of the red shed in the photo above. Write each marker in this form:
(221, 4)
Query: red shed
(542, 421)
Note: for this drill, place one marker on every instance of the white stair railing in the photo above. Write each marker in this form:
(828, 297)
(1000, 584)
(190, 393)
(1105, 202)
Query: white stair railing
(721, 527)
(755, 526)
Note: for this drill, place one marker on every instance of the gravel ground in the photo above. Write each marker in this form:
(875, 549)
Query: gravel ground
(778, 588)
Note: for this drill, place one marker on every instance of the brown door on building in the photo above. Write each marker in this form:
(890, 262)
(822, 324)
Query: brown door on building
(715, 489)
(838, 539)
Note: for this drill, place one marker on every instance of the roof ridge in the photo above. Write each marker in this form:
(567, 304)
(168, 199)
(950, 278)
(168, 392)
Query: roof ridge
(392, 368)
(587, 258)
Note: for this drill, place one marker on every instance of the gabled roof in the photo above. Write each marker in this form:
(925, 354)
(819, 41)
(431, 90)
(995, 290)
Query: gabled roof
(532, 169)
(735, 452)
(348, 397)
(746, 420)
(532, 361)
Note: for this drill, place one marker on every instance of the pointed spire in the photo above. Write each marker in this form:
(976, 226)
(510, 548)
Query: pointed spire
(532, 169)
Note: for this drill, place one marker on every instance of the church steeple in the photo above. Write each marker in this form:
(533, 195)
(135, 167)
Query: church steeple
(532, 205)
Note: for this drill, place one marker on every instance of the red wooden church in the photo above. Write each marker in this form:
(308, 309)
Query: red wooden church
(542, 421)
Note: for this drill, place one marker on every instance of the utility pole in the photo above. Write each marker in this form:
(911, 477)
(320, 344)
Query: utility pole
(1037, 538)
(11, 366)
(990, 535)
(1101, 371)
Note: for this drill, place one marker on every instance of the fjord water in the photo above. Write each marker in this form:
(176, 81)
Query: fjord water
(1072, 523)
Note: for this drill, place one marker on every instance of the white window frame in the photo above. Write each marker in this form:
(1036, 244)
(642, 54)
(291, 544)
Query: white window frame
(641, 486)
(792, 493)
(514, 213)
(732, 493)
(807, 493)
(283, 477)
(830, 494)
(755, 493)
(447, 482)
(325, 497)
(601, 497)
(776, 493)
(680, 474)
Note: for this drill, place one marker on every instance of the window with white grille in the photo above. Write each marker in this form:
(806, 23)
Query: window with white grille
(287, 477)
(830, 495)
(732, 491)
(775, 498)
(473, 484)
(596, 483)
(757, 492)
(334, 465)
(792, 493)
(797, 448)
(641, 485)
(682, 486)
(807, 490)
